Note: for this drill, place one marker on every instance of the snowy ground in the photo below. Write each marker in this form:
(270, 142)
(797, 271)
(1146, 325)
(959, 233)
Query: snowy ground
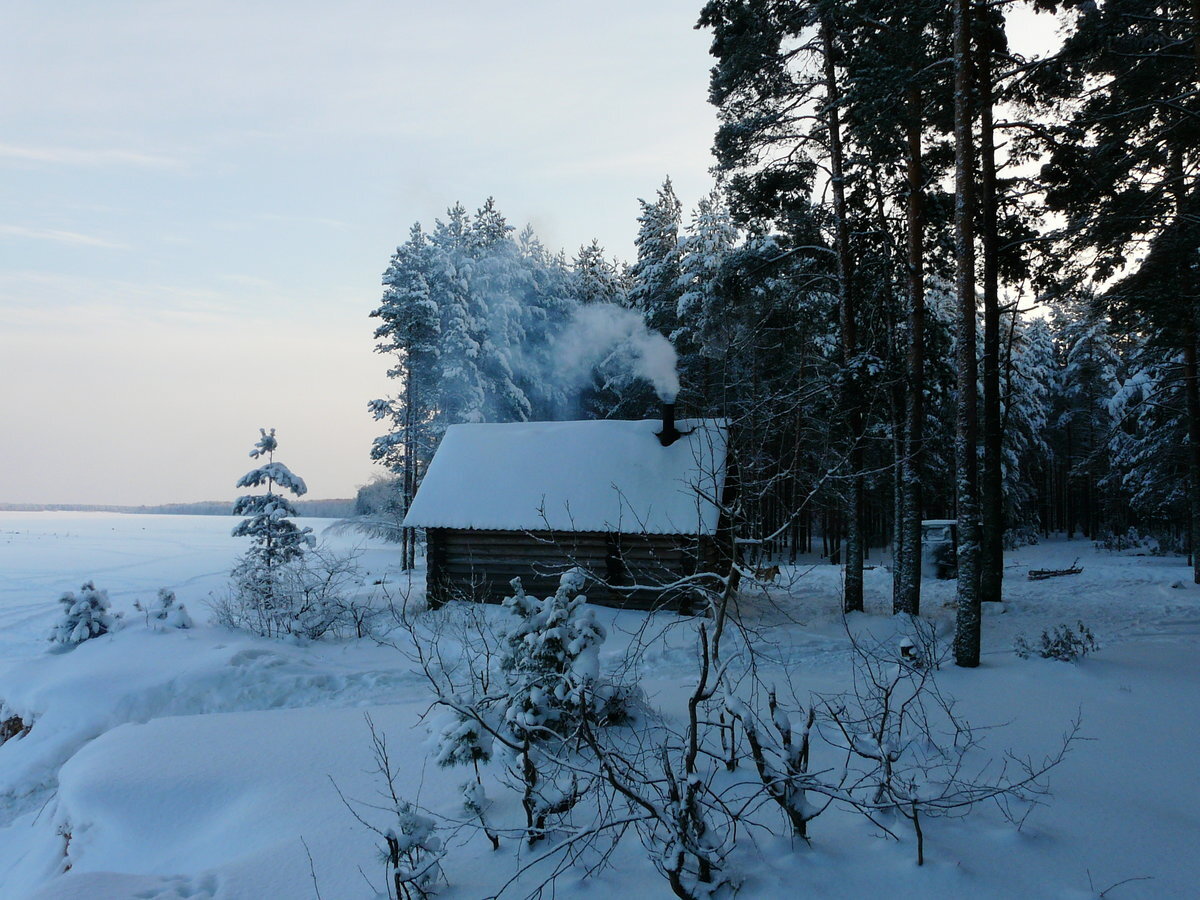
(201, 763)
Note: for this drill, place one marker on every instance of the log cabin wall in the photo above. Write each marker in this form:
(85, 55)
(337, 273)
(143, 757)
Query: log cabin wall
(478, 565)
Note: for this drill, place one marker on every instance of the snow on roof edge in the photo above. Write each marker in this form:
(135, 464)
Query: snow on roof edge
(581, 476)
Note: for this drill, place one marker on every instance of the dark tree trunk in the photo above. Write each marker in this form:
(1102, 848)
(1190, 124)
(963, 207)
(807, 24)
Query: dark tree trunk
(907, 598)
(852, 598)
(966, 438)
(991, 562)
(1192, 392)
(1192, 373)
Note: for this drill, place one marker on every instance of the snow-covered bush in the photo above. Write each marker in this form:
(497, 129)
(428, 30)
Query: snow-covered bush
(413, 853)
(1062, 643)
(1135, 543)
(165, 611)
(1020, 536)
(309, 596)
(85, 616)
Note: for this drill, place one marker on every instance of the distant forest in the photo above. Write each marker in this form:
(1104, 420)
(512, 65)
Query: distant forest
(317, 509)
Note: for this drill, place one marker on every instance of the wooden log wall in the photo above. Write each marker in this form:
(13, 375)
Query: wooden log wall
(478, 565)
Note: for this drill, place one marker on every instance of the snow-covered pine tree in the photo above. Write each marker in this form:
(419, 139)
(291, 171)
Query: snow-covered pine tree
(653, 291)
(275, 539)
(548, 307)
(706, 244)
(1148, 443)
(654, 278)
(550, 663)
(706, 325)
(596, 279)
(85, 616)
(1087, 380)
(410, 331)
(461, 395)
(502, 284)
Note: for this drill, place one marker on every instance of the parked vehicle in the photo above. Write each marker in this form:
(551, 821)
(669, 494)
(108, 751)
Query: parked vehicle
(939, 548)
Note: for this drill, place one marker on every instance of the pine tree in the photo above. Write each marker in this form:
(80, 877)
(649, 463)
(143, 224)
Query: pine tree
(654, 277)
(275, 540)
(461, 396)
(85, 616)
(1148, 444)
(596, 279)
(1087, 381)
(1027, 376)
(410, 332)
(548, 307)
(896, 112)
(501, 284)
(1124, 172)
(968, 617)
(706, 326)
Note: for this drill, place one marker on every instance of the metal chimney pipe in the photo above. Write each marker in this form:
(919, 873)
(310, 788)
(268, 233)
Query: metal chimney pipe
(670, 434)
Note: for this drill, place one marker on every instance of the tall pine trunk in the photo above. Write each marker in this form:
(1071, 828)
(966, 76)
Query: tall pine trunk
(967, 622)
(991, 563)
(1191, 366)
(852, 598)
(1191, 376)
(906, 596)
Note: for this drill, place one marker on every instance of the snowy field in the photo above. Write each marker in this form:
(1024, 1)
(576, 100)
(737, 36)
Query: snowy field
(202, 763)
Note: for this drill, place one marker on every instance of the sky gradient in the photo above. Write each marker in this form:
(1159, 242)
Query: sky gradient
(199, 197)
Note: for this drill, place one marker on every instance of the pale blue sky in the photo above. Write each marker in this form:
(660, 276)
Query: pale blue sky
(197, 200)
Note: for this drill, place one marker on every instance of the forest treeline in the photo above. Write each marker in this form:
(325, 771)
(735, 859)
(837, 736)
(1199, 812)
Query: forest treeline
(321, 509)
(937, 278)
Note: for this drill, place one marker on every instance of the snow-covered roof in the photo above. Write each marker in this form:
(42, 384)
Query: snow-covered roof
(600, 475)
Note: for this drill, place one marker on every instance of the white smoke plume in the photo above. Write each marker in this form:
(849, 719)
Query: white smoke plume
(604, 335)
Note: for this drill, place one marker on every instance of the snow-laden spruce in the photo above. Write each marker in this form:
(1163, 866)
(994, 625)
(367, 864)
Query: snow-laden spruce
(551, 660)
(260, 600)
(85, 616)
(548, 675)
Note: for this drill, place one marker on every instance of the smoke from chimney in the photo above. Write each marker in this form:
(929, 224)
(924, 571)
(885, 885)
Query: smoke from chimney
(601, 334)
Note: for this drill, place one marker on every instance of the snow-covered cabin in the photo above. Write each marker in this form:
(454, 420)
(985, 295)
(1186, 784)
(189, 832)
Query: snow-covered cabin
(532, 499)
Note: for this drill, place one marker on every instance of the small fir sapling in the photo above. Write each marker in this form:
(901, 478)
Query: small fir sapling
(85, 616)
(551, 661)
(549, 668)
(165, 611)
(1062, 643)
(276, 541)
